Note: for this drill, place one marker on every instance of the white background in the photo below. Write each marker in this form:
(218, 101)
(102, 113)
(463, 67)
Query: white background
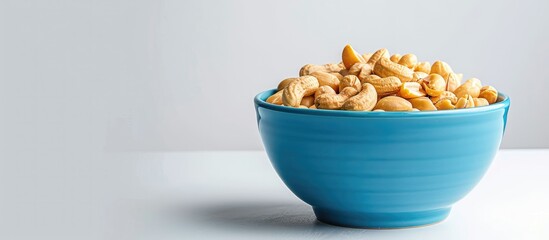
(180, 75)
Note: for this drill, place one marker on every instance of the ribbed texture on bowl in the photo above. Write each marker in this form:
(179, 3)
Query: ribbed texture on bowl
(380, 169)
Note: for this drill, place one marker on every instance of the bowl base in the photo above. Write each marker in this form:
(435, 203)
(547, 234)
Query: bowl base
(380, 220)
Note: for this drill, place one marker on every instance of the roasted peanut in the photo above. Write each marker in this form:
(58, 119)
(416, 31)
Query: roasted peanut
(418, 76)
(333, 67)
(422, 103)
(350, 81)
(385, 86)
(365, 100)
(453, 82)
(479, 102)
(441, 68)
(378, 110)
(409, 60)
(444, 104)
(414, 110)
(365, 79)
(411, 90)
(434, 84)
(296, 90)
(465, 102)
(350, 56)
(307, 101)
(312, 107)
(311, 68)
(363, 74)
(445, 95)
(423, 67)
(393, 103)
(360, 69)
(469, 87)
(378, 55)
(475, 82)
(275, 98)
(335, 101)
(385, 68)
(285, 83)
(395, 57)
(489, 93)
(322, 90)
(301, 106)
(326, 79)
(337, 75)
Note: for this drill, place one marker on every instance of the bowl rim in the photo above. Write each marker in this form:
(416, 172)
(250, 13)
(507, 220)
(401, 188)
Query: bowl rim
(259, 100)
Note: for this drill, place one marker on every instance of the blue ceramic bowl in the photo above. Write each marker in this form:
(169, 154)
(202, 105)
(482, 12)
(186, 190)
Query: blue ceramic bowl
(380, 169)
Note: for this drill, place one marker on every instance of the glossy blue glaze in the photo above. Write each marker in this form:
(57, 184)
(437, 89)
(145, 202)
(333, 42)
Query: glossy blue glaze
(380, 169)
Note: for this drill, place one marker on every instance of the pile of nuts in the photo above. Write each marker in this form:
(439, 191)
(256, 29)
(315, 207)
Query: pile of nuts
(381, 82)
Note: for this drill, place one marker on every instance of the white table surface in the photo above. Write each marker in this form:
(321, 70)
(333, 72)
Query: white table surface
(237, 195)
